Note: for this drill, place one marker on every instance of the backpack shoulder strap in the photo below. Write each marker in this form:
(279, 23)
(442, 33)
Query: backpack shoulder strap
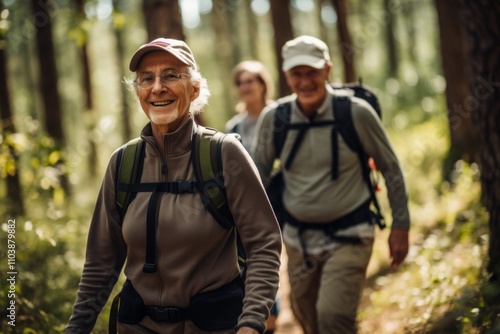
(208, 169)
(344, 123)
(342, 113)
(207, 165)
(128, 171)
(281, 121)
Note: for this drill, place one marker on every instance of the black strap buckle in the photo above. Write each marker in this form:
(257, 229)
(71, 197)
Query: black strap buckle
(166, 314)
(180, 187)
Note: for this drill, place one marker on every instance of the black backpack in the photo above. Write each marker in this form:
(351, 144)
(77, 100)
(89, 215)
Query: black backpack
(342, 124)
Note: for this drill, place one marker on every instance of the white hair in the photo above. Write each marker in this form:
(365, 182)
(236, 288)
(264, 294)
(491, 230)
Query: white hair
(202, 100)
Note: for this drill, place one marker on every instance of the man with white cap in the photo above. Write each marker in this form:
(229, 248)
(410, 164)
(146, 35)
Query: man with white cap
(181, 264)
(328, 227)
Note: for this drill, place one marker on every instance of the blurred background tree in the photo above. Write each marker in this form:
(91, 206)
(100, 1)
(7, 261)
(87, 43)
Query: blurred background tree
(65, 109)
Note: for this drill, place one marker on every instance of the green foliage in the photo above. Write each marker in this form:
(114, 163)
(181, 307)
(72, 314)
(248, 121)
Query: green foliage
(442, 285)
(45, 280)
(39, 161)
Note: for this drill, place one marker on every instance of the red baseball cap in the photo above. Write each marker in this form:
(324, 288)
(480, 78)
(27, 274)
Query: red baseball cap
(177, 48)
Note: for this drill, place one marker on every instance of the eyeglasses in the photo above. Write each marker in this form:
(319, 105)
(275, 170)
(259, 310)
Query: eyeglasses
(167, 78)
(245, 82)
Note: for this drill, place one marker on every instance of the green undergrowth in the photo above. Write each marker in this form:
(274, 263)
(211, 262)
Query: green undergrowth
(438, 288)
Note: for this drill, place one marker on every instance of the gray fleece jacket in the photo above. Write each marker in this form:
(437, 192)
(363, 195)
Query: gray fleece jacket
(310, 194)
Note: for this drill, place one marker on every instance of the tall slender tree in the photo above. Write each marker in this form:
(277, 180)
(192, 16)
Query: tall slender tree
(48, 82)
(252, 27)
(481, 19)
(15, 199)
(392, 51)
(48, 77)
(408, 11)
(221, 13)
(454, 63)
(118, 29)
(89, 111)
(283, 31)
(345, 40)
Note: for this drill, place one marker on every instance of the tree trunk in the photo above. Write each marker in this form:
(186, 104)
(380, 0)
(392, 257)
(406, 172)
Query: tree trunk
(408, 8)
(481, 19)
(392, 57)
(14, 198)
(48, 71)
(48, 82)
(283, 32)
(345, 40)
(163, 19)
(89, 112)
(120, 55)
(453, 59)
(252, 30)
(221, 11)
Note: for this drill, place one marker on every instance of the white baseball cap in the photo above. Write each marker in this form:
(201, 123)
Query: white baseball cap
(305, 50)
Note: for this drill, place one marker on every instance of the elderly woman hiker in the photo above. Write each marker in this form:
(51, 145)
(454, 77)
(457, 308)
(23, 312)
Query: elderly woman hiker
(179, 253)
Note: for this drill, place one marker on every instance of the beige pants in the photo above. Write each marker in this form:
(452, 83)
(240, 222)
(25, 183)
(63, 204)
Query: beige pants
(325, 298)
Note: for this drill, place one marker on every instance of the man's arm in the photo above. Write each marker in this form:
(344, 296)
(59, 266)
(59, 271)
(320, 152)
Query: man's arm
(376, 143)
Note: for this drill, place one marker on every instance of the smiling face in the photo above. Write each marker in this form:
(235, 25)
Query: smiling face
(166, 106)
(250, 87)
(309, 85)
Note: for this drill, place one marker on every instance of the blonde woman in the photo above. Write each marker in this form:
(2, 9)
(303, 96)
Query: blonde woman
(255, 89)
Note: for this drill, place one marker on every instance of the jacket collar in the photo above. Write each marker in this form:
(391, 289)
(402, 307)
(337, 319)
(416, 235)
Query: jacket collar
(177, 142)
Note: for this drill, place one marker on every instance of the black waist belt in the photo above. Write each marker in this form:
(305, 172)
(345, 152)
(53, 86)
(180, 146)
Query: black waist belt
(360, 215)
(210, 310)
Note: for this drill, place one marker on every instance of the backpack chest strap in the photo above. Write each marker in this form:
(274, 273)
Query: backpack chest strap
(174, 187)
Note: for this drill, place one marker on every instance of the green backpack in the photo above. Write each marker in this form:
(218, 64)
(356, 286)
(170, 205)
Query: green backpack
(209, 183)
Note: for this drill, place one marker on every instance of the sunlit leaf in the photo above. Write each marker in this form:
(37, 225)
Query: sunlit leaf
(54, 157)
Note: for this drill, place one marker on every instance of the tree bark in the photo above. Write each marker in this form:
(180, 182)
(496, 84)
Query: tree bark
(253, 28)
(481, 19)
(283, 32)
(222, 10)
(408, 9)
(48, 77)
(48, 82)
(15, 203)
(163, 19)
(453, 58)
(87, 92)
(392, 51)
(345, 40)
(120, 55)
